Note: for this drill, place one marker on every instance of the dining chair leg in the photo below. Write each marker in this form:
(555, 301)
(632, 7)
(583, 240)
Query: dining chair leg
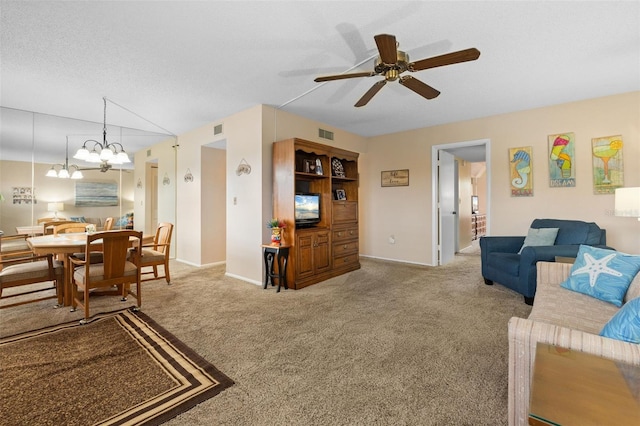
(166, 273)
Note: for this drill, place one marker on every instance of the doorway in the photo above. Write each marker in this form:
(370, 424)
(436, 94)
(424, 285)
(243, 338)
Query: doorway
(444, 228)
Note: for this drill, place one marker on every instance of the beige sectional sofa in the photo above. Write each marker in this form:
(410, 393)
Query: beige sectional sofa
(564, 318)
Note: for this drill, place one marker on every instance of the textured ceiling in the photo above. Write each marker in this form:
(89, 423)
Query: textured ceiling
(180, 65)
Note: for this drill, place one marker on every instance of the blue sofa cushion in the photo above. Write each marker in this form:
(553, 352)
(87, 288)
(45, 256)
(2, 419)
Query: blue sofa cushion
(540, 237)
(625, 324)
(572, 232)
(603, 274)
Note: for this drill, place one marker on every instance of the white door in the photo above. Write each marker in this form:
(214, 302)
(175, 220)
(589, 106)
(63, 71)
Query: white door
(447, 211)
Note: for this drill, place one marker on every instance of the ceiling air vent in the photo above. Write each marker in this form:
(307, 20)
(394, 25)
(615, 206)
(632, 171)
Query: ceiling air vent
(325, 134)
(217, 130)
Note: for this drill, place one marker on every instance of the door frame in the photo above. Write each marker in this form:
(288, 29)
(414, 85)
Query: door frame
(435, 219)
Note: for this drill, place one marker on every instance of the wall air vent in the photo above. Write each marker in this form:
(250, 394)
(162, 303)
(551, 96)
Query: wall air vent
(217, 130)
(148, 153)
(325, 134)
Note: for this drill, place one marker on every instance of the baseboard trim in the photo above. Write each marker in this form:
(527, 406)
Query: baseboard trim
(395, 260)
(241, 278)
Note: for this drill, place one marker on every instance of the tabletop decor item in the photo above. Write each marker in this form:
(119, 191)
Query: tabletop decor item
(276, 230)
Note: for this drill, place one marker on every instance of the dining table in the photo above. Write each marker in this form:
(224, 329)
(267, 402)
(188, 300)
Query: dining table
(63, 246)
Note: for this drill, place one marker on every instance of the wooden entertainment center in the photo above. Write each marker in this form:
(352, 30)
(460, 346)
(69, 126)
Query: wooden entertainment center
(330, 247)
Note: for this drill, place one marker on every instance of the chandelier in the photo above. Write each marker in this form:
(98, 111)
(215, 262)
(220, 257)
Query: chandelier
(112, 153)
(65, 168)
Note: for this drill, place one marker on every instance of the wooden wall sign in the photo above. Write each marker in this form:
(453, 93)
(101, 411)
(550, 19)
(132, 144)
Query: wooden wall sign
(395, 178)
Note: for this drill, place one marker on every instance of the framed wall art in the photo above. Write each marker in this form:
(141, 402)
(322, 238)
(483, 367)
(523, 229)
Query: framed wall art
(607, 164)
(521, 173)
(24, 195)
(96, 194)
(395, 178)
(562, 169)
(341, 194)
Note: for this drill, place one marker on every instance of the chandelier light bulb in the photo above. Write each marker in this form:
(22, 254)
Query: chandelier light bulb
(82, 154)
(106, 154)
(52, 172)
(93, 157)
(123, 157)
(77, 175)
(63, 173)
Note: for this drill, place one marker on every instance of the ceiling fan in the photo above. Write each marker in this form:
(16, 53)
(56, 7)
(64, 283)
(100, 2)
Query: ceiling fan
(393, 62)
(105, 167)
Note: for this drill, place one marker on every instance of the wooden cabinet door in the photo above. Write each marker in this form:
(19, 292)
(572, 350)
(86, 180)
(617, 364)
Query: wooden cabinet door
(304, 255)
(321, 252)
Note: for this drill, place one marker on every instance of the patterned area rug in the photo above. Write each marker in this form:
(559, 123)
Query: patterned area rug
(120, 369)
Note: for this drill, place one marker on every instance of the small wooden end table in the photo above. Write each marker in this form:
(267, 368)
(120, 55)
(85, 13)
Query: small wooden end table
(577, 388)
(275, 254)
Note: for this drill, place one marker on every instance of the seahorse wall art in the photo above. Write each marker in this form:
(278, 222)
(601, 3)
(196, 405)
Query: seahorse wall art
(521, 172)
(561, 160)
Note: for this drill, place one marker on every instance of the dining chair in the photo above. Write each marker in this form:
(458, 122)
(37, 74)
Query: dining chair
(119, 269)
(12, 246)
(31, 270)
(50, 219)
(69, 227)
(47, 227)
(108, 224)
(157, 253)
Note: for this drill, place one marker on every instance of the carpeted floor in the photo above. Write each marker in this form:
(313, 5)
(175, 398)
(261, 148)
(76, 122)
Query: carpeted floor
(388, 344)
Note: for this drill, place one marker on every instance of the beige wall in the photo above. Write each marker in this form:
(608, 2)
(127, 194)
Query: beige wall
(406, 212)
(47, 190)
(465, 189)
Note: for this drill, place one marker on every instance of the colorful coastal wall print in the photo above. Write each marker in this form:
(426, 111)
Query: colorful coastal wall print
(607, 164)
(521, 172)
(562, 170)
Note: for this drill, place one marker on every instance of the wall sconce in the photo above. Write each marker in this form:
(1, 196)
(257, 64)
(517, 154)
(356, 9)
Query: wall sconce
(188, 177)
(139, 184)
(243, 168)
(627, 202)
(165, 180)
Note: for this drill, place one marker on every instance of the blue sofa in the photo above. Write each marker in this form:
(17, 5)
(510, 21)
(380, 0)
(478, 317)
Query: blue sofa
(502, 264)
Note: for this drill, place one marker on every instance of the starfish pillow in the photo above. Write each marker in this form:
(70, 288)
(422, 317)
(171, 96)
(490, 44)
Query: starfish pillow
(603, 274)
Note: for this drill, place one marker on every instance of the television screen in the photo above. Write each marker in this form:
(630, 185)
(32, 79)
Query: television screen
(307, 209)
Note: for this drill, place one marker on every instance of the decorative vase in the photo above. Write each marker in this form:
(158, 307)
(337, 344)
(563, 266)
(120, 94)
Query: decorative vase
(276, 236)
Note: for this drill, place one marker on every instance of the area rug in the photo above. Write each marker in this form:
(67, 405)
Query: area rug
(120, 369)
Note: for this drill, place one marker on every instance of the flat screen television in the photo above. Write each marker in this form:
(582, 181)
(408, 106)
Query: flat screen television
(307, 210)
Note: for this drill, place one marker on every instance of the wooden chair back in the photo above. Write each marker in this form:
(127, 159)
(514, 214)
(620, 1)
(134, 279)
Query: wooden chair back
(108, 224)
(50, 219)
(65, 228)
(47, 227)
(162, 240)
(120, 267)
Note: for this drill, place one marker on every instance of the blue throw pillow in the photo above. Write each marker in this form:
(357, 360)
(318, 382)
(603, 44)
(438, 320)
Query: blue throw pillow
(122, 221)
(540, 237)
(80, 219)
(625, 325)
(603, 274)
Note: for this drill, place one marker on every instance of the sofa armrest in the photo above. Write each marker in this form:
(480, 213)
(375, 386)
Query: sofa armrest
(507, 244)
(524, 335)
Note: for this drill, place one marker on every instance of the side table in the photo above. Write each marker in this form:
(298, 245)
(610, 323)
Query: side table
(275, 255)
(578, 388)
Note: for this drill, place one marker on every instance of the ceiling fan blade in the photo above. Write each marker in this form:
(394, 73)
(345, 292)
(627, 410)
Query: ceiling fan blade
(447, 59)
(388, 48)
(370, 93)
(419, 87)
(343, 76)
